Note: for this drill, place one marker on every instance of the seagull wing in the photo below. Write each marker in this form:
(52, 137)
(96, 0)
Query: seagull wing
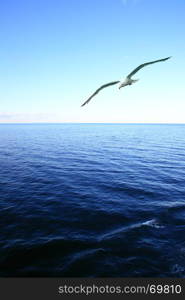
(97, 91)
(144, 65)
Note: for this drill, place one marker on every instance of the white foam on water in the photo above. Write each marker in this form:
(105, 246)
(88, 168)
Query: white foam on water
(153, 223)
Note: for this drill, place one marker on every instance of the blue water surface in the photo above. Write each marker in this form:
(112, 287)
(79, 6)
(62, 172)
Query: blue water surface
(92, 200)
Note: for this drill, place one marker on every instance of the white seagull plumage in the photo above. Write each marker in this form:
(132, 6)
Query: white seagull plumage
(128, 80)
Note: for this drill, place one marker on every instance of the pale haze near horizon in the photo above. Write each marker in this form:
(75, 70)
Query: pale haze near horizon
(54, 54)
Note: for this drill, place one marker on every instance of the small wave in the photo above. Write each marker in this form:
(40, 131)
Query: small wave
(124, 229)
(153, 223)
(178, 270)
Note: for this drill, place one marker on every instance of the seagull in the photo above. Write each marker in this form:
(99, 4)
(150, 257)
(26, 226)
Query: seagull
(128, 80)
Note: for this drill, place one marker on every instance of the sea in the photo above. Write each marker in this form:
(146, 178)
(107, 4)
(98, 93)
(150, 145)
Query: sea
(92, 200)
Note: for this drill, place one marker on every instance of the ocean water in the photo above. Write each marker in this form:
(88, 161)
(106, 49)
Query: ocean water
(92, 200)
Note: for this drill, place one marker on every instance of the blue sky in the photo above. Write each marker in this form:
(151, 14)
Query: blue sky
(55, 53)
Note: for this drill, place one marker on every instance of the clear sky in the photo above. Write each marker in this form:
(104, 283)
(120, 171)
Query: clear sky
(55, 53)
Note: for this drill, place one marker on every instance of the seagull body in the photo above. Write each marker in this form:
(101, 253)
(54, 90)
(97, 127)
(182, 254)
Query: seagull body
(128, 80)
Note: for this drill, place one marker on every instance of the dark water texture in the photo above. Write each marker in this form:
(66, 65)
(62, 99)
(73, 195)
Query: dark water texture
(92, 200)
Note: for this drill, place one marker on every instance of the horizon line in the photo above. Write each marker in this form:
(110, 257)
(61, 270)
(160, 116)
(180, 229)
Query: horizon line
(142, 123)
